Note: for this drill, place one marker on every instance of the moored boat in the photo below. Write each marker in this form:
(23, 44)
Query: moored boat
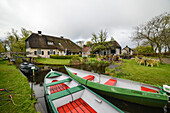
(65, 95)
(26, 67)
(127, 90)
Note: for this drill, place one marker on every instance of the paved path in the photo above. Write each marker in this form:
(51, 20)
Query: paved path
(166, 60)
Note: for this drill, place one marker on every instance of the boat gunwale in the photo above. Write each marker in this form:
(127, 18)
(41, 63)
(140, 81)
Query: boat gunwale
(97, 86)
(52, 105)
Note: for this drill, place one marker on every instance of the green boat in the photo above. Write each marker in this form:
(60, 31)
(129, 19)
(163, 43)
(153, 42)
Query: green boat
(65, 95)
(127, 90)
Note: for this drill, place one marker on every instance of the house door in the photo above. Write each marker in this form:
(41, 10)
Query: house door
(113, 52)
(104, 52)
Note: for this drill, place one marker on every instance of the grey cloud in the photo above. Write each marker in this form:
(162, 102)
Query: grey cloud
(78, 19)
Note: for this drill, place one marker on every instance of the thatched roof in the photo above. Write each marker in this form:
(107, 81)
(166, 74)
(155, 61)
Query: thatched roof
(115, 44)
(60, 43)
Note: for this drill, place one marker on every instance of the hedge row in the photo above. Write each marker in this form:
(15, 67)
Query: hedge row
(63, 57)
(151, 54)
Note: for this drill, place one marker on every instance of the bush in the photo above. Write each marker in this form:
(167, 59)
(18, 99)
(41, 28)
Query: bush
(152, 54)
(84, 59)
(75, 60)
(92, 55)
(63, 57)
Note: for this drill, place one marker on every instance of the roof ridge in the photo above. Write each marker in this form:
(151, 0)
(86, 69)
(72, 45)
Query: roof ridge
(52, 36)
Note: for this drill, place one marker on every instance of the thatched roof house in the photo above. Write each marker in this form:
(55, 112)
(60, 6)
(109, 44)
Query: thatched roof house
(112, 47)
(127, 50)
(44, 45)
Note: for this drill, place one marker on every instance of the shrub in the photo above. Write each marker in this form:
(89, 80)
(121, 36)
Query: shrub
(85, 59)
(75, 60)
(92, 55)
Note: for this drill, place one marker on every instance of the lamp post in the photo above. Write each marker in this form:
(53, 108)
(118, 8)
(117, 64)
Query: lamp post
(33, 77)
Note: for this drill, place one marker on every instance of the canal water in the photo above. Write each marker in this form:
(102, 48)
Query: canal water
(123, 105)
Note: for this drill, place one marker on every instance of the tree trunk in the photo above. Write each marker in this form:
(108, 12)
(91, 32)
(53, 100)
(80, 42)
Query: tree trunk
(156, 49)
(165, 49)
(152, 48)
(159, 54)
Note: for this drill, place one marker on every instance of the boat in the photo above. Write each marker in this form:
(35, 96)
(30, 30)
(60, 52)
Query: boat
(65, 95)
(122, 89)
(26, 67)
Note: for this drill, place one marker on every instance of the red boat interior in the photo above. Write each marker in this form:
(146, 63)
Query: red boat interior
(58, 87)
(75, 73)
(111, 82)
(147, 89)
(76, 106)
(89, 77)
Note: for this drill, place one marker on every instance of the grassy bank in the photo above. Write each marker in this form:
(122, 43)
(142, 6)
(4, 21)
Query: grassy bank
(150, 75)
(57, 61)
(11, 79)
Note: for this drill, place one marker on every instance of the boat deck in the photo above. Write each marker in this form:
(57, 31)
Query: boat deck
(76, 106)
(58, 87)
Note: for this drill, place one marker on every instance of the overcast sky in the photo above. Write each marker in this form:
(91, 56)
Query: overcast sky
(78, 19)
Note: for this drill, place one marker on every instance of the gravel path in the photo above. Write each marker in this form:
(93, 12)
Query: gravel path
(166, 60)
(113, 66)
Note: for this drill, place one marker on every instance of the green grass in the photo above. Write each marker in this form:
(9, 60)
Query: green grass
(57, 61)
(150, 75)
(53, 61)
(11, 79)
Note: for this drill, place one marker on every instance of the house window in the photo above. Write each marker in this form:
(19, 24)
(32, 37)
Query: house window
(39, 51)
(35, 52)
(42, 52)
(50, 43)
(48, 52)
(54, 52)
(51, 51)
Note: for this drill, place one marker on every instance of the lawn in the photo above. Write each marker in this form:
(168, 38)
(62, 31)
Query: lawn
(11, 79)
(150, 75)
(53, 61)
(57, 61)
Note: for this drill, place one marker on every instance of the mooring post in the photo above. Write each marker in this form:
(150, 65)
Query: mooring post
(33, 77)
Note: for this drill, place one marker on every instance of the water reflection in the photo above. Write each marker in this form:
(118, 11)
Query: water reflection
(123, 105)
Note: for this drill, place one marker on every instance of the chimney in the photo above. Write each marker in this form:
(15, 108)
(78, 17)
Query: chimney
(61, 37)
(39, 32)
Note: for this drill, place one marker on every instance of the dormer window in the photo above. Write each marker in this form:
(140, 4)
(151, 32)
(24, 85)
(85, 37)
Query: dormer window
(50, 43)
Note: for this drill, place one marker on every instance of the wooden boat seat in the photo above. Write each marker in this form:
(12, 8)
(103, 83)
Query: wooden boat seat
(148, 89)
(55, 82)
(58, 87)
(77, 106)
(111, 82)
(63, 93)
(54, 74)
(89, 77)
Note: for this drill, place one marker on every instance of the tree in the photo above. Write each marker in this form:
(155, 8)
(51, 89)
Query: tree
(155, 32)
(98, 41)
(144, 49)
(102, 36)
(80, 43)
(112, 39)
(15, 41)
(89, 43)
(2, 49)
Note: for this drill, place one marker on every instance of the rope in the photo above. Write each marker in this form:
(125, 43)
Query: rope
(70, 94)
(13, 101)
